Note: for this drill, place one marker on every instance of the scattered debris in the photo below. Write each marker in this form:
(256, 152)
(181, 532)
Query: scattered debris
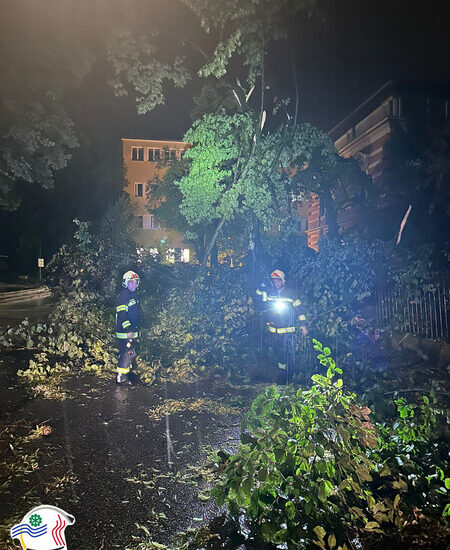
(176, 406)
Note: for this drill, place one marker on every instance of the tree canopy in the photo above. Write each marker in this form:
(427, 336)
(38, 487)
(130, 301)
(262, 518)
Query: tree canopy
(243, 162)
(37, 134)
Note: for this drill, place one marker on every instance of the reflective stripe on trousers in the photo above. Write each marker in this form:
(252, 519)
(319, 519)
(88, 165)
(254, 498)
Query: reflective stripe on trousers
(283, 330)
(124, 335)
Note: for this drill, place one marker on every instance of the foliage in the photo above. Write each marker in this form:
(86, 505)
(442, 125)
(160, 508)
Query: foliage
(337, 283)
(245, 29)
(311, 464)
(164, 198)
(83, 277)
(214, 96)
(333, 283)
(37, 134)
(135, 64)
(237, 171)
(203, 327)
(419, 269)
(185, 330)
(35, 145)
(338, 182)
(221, 145)
(232, 172)
(414, 457)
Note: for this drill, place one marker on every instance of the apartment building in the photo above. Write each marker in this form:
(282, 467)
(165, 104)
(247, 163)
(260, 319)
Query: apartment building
(145, 161)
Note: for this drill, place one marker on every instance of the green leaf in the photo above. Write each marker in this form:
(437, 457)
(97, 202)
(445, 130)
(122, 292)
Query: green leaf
(328, 487)
(290, 509)
(280, 536)
(325, 490)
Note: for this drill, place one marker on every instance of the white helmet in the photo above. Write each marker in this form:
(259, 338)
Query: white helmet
(129, 276)
(278, 274)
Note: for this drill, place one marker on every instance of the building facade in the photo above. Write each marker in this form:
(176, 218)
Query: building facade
(363, 135)
(146, 161)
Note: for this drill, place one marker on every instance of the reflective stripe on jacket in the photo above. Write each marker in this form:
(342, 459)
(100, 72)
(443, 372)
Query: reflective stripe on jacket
(128, 312)
(279, 321)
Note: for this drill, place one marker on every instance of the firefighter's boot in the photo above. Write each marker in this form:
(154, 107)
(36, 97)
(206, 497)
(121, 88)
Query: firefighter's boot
(123, 379)
(282, 374)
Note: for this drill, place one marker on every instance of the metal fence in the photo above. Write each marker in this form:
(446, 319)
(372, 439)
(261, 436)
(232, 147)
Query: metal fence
(425, 313)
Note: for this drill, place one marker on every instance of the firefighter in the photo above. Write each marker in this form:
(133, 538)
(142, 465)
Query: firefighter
(127, 325)
(282, 317)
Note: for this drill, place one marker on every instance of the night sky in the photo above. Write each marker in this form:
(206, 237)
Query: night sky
(343, 56)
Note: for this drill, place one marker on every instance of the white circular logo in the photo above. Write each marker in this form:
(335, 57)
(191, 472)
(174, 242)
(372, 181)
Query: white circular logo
(43, 528)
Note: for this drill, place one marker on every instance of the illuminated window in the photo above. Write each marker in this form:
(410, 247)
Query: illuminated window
(137, 153)
(138, 190)
(177, 255)
(185, 255)
(170, 255)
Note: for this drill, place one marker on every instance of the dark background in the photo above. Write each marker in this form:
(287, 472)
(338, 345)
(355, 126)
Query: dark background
(341, 57)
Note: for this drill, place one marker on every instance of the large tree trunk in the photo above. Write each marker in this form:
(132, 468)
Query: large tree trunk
(212, 242)
(214, 261)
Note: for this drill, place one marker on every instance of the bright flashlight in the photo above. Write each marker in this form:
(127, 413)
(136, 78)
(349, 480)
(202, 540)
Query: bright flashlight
(279, 305)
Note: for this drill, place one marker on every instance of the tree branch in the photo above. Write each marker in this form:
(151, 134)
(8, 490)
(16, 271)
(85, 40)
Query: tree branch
(197, 47)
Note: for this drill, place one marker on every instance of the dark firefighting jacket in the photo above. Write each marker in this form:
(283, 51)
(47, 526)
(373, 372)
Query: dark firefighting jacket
(280, 321)
(128, 313)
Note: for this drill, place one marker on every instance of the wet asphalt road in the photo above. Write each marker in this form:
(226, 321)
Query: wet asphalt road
(108, 463)
(13, 312)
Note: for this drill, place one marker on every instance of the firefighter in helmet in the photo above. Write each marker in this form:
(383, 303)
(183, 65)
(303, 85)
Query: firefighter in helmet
(280, 309)
(128, 313)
